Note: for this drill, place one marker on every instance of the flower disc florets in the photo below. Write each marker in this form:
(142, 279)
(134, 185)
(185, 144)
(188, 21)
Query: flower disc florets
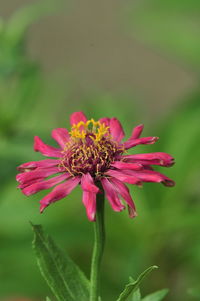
(90, 149)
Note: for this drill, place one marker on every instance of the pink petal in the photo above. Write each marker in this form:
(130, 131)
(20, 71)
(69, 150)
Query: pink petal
(59, 192)
(162, 159)
(36, 174)
(87, 183)
(36, 164)
(61, 136)
(41, 185)
(137, 131)
(133, 142)
(28, 183)
(89, 200)
(124, 177)
(152, 176)
(124, 192)
(105, 121)
(77, 117)
(116, 130)
(46, 150)
(124, 165)
(112, 195)
(145, 163)
(89, 195)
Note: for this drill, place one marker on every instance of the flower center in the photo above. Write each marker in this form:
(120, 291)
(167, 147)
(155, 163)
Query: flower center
(90, 149)
(96, 128)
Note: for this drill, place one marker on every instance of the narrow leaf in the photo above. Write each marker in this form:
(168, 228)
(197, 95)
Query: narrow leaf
(133, 286)
(157, 296)
(64, 278)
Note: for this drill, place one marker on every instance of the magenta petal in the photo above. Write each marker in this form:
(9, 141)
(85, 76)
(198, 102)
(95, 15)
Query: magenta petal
(145, 163)
(59, 192)
(87, 183)
(89, 195)
(89, 200)
(77, 117)
(41, 185)
(124, 177)
(124, 165)
(105, 121)
(116, 130)
(162, 159)
(28, 183)
(137, 131)
(35, 164)
(124, 192)
(133, 142)
(61, 136)
(112, 195)
(46, 150)
(36, 174)
(152, 176)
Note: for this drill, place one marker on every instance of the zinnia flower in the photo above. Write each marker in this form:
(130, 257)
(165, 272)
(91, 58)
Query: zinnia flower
(93, 155)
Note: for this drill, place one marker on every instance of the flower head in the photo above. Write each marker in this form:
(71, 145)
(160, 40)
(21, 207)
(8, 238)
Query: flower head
(93, 155)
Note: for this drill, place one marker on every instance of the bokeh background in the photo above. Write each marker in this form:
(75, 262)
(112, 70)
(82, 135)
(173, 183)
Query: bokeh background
(138, 61)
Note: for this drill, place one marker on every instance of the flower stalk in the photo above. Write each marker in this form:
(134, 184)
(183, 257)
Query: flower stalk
(99, 241)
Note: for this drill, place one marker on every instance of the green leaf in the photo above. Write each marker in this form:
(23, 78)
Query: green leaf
(48, 299)
(134, 285)
(64, 278)
(136, 295)
(157, 296)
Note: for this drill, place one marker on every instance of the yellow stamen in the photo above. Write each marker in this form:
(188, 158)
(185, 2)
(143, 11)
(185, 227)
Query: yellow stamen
(97, 128)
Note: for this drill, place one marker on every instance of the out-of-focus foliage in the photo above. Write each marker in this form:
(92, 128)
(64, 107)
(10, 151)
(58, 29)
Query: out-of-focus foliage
(173, 26)
(166, 231)
(195, 292)
(20, 78)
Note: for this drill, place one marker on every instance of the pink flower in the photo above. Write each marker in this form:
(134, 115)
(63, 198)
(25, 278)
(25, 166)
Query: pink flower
(92, 155)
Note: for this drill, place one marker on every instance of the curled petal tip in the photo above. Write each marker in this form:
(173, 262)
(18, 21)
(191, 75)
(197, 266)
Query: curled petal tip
(132, 212)
(171, 163)
(92, 218)
(42, 207)
(169, 183)
(133, 215)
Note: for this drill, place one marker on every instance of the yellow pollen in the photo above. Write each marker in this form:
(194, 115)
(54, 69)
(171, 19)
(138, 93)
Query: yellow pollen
(96, 128)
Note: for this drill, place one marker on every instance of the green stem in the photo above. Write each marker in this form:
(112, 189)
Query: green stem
(99, 240)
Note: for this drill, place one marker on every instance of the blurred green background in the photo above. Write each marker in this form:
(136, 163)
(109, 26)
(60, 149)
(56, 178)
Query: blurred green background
(135, 60)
